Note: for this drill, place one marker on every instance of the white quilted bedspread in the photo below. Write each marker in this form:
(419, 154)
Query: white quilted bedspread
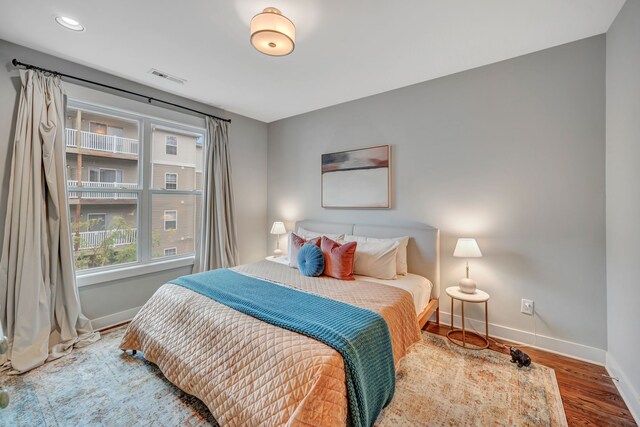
(249, 372)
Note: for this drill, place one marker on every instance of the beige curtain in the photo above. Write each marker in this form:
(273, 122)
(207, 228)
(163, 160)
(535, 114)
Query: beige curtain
(218, 241)
(38, 294)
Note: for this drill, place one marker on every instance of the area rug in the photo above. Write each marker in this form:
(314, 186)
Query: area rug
(438, 384)
(441, 384)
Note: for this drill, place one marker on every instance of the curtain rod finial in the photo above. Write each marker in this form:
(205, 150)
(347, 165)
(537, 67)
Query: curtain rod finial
(15, 62)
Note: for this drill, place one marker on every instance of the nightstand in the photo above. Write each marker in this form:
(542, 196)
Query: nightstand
(477, 297)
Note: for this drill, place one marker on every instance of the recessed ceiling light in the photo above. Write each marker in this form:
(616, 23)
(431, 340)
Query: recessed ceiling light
(69, 23)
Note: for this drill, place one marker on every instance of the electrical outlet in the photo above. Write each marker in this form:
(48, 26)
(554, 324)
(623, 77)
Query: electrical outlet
(526, 307)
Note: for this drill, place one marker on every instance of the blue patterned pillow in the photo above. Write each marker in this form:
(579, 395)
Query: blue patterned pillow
(310, 260)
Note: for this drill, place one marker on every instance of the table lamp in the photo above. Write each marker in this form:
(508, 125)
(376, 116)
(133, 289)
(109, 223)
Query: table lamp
(278, 228)
(467, 248)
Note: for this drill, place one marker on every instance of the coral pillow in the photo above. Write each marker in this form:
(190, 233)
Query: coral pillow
(295, 243)
(338, 259)
(310, 260)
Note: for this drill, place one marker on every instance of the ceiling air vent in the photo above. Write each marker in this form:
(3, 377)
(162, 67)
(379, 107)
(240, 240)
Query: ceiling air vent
(166, 76)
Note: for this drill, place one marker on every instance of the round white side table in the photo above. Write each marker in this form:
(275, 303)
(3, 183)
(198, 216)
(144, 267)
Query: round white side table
(477, 297)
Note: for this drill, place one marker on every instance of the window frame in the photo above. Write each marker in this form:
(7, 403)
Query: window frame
(166, 182)
(144, 192)
(173, 146)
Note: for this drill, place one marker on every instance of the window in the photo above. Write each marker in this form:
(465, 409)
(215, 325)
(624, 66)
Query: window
(99, 128)
(171, 181)
(109, 197)
(103, 207)
(173, 201)
(106, 176)
(106, 129)
(170, 220)
(171, 145)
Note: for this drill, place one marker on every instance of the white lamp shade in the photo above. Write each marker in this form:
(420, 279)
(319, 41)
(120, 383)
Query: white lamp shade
(278, 228)
(467, 248)
(273, 33)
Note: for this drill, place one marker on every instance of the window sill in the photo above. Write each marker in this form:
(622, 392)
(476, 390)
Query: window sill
(87, 279)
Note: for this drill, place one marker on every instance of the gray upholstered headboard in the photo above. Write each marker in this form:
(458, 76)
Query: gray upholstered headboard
(423, 252)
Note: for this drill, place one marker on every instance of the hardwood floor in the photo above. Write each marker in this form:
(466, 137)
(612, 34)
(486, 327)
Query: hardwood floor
(589, 398)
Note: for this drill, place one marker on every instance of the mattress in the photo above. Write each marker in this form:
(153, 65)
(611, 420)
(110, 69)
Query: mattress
(419, 287)
(249, 372)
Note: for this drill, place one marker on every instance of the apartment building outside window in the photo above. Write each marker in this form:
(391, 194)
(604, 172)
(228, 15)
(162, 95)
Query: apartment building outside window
(125, 203)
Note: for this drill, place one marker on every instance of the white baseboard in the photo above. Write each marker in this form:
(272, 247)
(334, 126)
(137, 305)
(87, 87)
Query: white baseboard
(114, 319)
(553, 345)
(629, 394)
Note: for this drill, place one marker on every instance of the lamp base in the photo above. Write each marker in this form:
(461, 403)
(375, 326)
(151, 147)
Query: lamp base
(468, 286)
(277, 253)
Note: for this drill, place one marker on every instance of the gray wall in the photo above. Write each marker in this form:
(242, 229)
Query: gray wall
(511, 153)
(623, 200)
(249, 166)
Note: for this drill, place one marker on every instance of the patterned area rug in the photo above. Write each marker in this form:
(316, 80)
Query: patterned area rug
(438, 384)
(441, 384)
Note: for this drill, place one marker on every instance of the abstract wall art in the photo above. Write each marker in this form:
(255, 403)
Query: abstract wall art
(357, 179)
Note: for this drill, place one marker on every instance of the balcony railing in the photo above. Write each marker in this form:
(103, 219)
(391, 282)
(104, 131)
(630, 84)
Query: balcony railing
(94, 184)
(92, 239)
(105, 143)
(101, 195)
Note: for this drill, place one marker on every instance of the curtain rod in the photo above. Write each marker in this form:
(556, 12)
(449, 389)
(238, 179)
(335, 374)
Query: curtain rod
(17, 63)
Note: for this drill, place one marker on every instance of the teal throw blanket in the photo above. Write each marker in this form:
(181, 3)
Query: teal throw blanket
(359, 335)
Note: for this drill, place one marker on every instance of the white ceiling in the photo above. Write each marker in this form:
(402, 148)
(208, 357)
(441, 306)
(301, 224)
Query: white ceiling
(344, 49)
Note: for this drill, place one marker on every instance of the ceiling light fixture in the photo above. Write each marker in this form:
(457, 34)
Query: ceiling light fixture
(272, 33)
(69, 23)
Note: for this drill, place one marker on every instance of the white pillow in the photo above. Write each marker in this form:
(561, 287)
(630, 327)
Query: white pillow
(376, 259)
(402, 268)
(308, 234)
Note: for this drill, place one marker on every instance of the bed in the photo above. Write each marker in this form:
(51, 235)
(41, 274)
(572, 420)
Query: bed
(423, 255)
(250, 372)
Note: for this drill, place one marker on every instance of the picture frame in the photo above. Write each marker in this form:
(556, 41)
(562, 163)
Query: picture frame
(357, 179)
